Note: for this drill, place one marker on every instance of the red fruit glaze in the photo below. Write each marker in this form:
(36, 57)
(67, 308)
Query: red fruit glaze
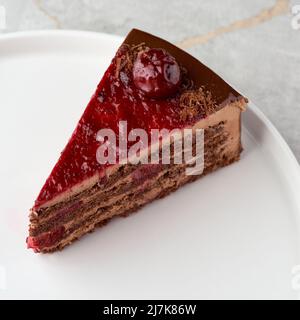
(45, 240)
(116, 98)
(156, 73)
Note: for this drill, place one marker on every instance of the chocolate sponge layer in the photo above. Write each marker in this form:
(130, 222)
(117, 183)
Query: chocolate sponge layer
(125, 191)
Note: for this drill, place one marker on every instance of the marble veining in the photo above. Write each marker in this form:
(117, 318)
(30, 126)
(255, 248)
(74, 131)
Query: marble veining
(280, 7)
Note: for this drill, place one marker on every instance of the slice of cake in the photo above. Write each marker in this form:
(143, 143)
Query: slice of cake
(107, 169)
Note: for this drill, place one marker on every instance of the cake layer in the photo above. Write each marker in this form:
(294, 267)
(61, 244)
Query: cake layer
(150, 84)
(130, 187)
(216, 131)
(170, 181)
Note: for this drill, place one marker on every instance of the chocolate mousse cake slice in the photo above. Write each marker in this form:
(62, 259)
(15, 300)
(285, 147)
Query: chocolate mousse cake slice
(150, 84)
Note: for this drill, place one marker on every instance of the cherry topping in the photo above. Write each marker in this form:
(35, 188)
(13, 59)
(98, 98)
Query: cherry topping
(156, 73)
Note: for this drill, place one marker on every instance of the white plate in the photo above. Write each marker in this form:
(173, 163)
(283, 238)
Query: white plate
(232, 234)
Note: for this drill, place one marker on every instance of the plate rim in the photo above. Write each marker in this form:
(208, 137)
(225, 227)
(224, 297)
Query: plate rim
(294, 168)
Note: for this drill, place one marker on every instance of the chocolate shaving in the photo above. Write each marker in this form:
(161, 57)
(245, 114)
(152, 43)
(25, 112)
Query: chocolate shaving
(118, 65)
(197, 102)
(128, 55)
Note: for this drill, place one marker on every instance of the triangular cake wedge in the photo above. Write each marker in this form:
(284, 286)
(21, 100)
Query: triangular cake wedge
(150, 84)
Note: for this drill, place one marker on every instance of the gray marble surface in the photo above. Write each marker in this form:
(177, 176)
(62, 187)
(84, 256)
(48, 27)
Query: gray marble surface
(251, 43)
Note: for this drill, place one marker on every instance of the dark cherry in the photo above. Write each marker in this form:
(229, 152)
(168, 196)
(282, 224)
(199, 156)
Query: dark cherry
(156, 73)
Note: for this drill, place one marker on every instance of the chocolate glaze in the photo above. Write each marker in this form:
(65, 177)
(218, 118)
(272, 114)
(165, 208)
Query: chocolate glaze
(200, 74)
